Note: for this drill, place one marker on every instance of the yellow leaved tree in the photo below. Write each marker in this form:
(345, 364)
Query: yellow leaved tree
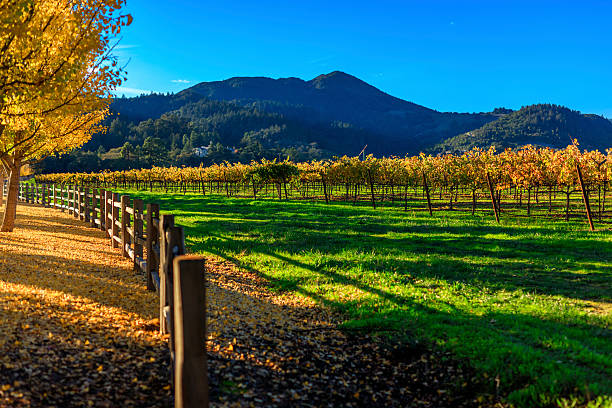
(57, 73)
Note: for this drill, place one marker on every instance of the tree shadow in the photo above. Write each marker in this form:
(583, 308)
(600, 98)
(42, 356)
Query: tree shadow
(527, 357)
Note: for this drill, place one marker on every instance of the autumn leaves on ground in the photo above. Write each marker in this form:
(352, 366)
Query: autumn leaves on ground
(78, 328)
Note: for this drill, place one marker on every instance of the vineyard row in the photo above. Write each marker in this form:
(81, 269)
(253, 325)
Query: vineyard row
(540, 180)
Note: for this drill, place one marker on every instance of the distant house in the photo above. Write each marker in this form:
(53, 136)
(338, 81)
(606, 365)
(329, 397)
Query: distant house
(201, 151)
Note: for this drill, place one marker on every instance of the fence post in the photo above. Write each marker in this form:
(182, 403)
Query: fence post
(138, 232)
(94, 207)
(103, 210)
(86, 205)
(75, 200)
(69, 199)
(115, 218)
(80, 203)
(190, 360)
(152, 238)
(108, 212)
(125, 222)
(27, 193)
(165, 222)
(54, 196)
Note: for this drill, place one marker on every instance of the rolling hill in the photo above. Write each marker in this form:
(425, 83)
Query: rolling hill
(388, 125)
(249, 118)
(540, 125)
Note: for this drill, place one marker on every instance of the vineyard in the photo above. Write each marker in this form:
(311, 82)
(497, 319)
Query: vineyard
(526, 305)
(541, 181)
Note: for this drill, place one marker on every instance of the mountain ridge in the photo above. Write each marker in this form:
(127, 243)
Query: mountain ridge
(396, 125)
(334, 114)
(546, 125)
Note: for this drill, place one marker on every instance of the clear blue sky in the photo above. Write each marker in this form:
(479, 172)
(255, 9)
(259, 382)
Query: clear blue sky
(465, 56)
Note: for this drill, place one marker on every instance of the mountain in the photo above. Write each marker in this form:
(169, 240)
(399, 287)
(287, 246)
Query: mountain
(540, 125)
(388, 125)
(250, 118)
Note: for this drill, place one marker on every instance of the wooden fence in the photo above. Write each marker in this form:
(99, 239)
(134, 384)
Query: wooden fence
(156, 246)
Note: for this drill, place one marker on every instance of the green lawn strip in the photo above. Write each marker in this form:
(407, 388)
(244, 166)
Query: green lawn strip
(526, 302)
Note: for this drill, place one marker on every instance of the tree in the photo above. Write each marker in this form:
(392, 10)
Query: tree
(56, 78)
(154, 152)
(127, 151)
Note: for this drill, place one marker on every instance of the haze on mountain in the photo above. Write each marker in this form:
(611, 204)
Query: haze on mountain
(249, 118)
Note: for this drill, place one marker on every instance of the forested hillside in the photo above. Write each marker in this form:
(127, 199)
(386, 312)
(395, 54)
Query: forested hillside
(540, 125)
(244, 119)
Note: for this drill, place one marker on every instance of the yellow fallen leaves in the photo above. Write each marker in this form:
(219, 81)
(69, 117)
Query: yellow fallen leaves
(75, 320)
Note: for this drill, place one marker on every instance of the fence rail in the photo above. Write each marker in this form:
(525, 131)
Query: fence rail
(156, 246)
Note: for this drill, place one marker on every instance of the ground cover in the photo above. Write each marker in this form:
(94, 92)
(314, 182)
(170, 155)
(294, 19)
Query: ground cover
(77, 326)
(527, 303)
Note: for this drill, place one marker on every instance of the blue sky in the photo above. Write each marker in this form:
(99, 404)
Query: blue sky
(464, 56)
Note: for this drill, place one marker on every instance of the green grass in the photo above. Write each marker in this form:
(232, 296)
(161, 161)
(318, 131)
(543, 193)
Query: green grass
(528, 303)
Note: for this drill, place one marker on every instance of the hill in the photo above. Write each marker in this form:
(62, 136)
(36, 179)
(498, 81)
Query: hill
(249, 118)
(388, 125)
(539, 125)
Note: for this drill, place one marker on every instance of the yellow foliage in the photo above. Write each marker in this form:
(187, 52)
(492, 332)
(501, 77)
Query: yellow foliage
(57, 74)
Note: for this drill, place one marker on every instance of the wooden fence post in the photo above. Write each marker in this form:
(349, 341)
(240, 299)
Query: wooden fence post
(54, 192)
(138, 232)
(125, 223)
(27, 193)
(80, 202)
(75, 201)
(165, 222)
(103, 218)
(94, 207)
(152, 239)
(114, 220)
(86, 205)
(109, 213)
(190, 361)
(69, 199)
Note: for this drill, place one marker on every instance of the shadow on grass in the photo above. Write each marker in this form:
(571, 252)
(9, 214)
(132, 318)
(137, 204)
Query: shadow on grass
(533, 366)
(536, 354)
(66, 350)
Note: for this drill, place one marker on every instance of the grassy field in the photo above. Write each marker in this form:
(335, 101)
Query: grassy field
(528, 303)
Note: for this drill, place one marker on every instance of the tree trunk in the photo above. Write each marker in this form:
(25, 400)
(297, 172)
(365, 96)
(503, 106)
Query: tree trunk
(371, 189)
(10, 210)
(325, 190)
